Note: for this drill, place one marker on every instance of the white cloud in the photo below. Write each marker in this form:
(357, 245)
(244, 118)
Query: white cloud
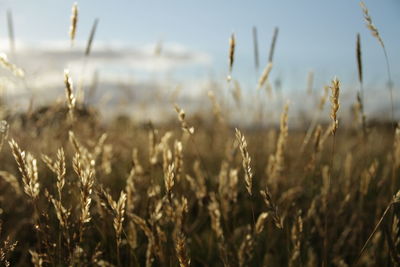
(39, 57)
(125, 71)
(43, 60)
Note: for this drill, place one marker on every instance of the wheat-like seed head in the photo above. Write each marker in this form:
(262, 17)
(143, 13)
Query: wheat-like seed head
(86, 190)
(11, 67)
(181, 117)
(19, 156)
(335, 90)
(60, 167)
(166, 153)
(69, 91)
(28, 168)
(296, 236)
(284, 132)
(169, 178)
(359, 59)
(178, 159)
(86, 158)
(248, 178)
(276, 161)
(261, 222)
(74, 22)
(86, 181)
(272, 208)
(264, 75)
(370, 25)
(232, 45)
(181, 250)
(119, 210)
(33, 172)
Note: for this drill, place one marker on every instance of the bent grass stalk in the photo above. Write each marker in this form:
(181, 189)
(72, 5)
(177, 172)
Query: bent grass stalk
(375, 33)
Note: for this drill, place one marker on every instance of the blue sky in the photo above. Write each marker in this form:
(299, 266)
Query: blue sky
(314, 35)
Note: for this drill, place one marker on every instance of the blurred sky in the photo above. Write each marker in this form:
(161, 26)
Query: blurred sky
(313, 34)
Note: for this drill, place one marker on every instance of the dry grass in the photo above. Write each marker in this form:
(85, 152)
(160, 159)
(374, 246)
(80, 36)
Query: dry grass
(74, 22)
(81, 219)
(196, 191)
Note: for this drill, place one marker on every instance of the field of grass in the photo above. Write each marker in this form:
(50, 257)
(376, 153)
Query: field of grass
(200, 189)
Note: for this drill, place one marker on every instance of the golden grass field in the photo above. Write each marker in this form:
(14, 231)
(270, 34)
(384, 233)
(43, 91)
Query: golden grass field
(198, 190)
